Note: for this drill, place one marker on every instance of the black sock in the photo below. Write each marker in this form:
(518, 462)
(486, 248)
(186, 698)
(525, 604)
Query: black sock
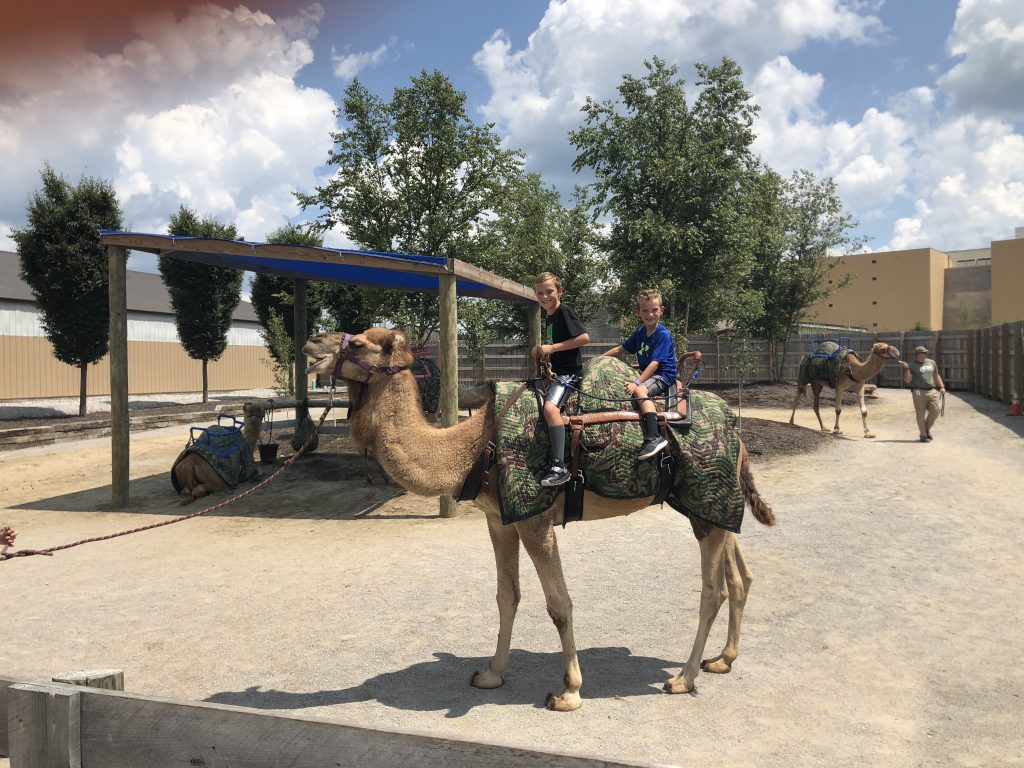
(650, 425)
(557, 435)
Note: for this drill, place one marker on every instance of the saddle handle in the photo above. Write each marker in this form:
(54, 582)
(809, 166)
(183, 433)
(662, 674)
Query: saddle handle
(695, 358)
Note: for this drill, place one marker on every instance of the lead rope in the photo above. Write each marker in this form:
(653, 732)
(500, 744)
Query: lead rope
(7, 535)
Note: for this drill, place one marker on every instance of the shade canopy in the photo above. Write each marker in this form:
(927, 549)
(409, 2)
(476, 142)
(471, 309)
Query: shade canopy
(371, 268)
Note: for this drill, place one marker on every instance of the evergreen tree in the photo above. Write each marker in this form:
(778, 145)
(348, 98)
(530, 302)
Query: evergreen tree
(65, 265)
(203, 297)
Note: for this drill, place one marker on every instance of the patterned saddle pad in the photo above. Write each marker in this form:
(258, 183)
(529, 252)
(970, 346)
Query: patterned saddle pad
(706, 484)
(224, 449)
(825, 364)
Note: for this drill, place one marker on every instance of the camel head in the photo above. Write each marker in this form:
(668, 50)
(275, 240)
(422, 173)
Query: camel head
(885, 351)
(358, 358)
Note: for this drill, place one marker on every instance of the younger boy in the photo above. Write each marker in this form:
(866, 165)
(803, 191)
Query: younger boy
(656, 353)
(564, 334)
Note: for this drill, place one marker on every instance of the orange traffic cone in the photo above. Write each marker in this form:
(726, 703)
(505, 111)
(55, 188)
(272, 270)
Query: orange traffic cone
(1014, 405)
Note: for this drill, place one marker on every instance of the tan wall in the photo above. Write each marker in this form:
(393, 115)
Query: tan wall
(30, 370)
(1007, 281)
(889, 291)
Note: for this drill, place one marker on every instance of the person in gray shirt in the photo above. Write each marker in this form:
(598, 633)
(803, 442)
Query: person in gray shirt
(922, 374)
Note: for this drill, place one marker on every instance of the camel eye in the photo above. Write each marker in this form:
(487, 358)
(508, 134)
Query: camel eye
(356, 344)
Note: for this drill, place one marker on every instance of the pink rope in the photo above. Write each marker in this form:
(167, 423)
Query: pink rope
(7, 535)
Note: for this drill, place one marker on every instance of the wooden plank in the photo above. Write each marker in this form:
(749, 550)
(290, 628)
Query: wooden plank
(299, 338)
(5, 684)
(1018, 357)
(512, 290)
(44, 726)
(533, 339)
(122, 730)
(448, 347)
(1004, 360)
(117, 261)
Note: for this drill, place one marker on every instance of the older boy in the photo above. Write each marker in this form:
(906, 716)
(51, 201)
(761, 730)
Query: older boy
(656, 354)
(564, 335)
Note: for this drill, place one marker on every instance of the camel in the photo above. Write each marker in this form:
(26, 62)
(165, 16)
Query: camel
(853, 375)
(434, 461)
(197, 478)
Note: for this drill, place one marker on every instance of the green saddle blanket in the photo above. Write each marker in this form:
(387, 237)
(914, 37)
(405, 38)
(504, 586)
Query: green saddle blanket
(224, 449)
(824, 364)
(706, 480)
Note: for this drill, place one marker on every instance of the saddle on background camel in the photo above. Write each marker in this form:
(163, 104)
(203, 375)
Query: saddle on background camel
(825, 363)
(223, 448)
(603, 447)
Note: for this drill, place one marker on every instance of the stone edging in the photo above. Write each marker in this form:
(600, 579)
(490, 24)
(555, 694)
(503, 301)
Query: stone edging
(27, 437)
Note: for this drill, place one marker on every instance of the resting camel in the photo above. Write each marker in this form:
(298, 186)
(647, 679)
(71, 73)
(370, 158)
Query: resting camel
(197, 478)
(853, 375)
(433, 461)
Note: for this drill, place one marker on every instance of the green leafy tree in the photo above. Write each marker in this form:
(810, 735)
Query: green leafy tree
(65, 265)
(672, 177)
(414, 175)
(203, 297)
(799, 224)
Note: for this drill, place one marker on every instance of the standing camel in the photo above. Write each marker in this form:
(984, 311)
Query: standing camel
(432, 461)
(851, 377)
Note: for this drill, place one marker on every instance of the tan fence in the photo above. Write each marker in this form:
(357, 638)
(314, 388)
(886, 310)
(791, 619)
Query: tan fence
(30, 370)
(988, 361)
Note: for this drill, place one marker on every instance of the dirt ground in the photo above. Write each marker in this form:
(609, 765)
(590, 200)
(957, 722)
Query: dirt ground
(879, 630)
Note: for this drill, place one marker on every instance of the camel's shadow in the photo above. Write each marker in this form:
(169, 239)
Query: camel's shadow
(443, 684)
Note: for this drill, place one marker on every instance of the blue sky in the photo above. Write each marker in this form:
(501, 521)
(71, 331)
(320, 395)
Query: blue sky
(915, 107)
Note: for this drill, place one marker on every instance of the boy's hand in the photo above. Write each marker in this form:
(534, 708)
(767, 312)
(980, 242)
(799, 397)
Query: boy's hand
(544, 350)
(630, 388)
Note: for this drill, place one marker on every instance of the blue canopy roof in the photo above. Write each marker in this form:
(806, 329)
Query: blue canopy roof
(406, 272)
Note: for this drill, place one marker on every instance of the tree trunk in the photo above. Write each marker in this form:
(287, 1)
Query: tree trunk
(82, 400)
(206, 388)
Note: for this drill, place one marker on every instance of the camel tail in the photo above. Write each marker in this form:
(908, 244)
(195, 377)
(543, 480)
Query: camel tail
(762, 512)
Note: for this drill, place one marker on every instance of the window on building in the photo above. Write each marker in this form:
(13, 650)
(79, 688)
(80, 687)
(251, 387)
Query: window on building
(874, 302)
(830, 305)
(874, 261)
(874, 278)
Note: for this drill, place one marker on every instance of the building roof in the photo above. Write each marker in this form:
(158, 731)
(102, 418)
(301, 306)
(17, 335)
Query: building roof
(146, 292)
(400, 271)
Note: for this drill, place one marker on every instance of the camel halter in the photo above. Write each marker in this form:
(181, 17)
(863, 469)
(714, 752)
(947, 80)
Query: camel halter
(387, 370)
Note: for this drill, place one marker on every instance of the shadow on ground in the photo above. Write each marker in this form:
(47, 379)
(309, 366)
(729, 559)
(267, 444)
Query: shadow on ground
(443, 684)
(993, 409)
(327, 486)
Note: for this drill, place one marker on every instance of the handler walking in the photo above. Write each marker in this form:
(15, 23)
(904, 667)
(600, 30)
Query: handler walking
(922, 374)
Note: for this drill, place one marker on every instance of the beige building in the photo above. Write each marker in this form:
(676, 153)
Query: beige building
(157, 361)
(925, 288)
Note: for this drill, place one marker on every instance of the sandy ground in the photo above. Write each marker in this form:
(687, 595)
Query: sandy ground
(879, 631)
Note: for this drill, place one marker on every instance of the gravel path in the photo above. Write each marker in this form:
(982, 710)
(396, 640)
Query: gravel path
(879, 629)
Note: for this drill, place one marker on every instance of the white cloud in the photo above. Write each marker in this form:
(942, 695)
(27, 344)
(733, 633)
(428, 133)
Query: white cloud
(347, 66)
(989, 37)
(203, 111)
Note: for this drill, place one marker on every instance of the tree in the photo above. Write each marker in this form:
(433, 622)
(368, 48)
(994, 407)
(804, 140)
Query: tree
(65, 265)
(673, 179)
(414, 175)
(800, 224)
(203, 296)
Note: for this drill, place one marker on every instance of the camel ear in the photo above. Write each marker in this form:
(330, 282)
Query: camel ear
(398, 342)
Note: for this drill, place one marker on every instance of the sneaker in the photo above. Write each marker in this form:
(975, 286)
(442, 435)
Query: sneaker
(557, 475)
(923, 439)
(929, 435)
(652, 446)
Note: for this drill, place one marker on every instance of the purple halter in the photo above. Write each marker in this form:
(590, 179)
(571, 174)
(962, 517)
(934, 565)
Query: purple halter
(388, 370)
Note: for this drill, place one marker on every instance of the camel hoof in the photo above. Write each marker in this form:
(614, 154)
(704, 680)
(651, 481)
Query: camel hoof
(678, 685)
(486, 680)
(718, 666)
(567, 702)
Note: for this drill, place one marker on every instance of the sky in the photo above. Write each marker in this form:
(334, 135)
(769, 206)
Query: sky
(914, 107)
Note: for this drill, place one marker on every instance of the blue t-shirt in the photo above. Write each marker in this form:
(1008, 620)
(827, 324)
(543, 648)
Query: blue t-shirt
(658, 346)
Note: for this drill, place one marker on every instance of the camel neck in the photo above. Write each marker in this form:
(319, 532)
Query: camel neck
(423, 458)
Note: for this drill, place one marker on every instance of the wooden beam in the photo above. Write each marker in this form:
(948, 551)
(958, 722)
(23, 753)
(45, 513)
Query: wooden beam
(5, 684)
(448, 354)
(513, 290)
(117, 265)
(533, 332)
(44, 726)
(1004, 357)
(299, 338)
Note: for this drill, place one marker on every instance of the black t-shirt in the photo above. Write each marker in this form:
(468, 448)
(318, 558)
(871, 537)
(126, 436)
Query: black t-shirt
(562, 326)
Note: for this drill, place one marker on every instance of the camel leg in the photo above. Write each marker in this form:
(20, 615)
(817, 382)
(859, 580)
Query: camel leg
(505, 540)
(712, 552)
(737, 578)
(796, 401)
(816, 388)
(538, 537)
(863, 412)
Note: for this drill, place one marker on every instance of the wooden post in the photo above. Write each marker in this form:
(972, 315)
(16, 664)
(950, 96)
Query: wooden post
(533, 339)
(45, 726)
(117, 267)
(299, 337)
(1018, 360)
(1004, 385)
(448, 352)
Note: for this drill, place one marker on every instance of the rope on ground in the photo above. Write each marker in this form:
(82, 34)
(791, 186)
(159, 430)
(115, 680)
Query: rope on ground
(7, 535)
